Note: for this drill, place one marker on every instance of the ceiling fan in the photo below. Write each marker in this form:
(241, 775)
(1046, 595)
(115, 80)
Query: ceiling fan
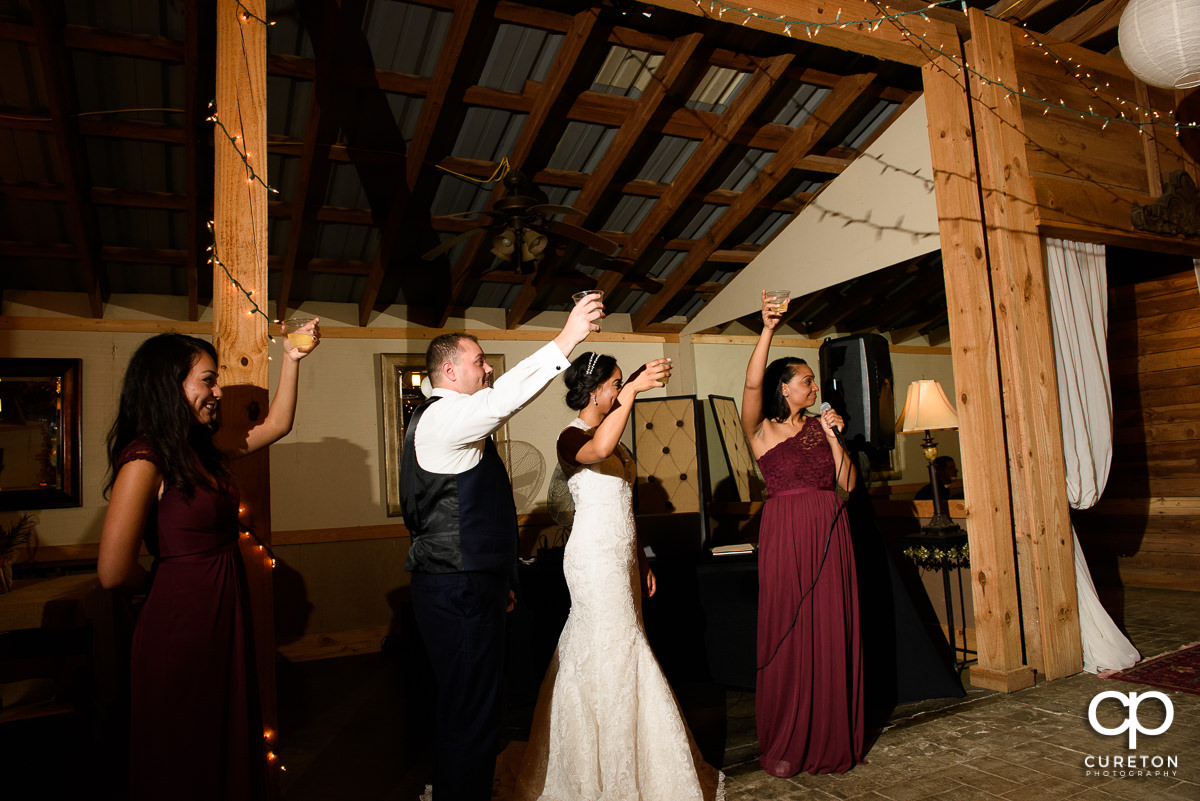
(520, 228)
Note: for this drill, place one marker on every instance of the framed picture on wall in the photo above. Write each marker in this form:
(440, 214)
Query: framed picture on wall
(40, 414)
(400, 382)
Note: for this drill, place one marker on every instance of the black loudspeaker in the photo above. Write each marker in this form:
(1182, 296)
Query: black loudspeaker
(856, 379)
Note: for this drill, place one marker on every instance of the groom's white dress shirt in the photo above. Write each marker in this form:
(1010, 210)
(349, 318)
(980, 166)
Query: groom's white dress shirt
(452, 431)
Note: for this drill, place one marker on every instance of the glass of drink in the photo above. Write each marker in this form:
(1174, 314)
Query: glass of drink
(579, 296)
(299, 332)
(777, 300)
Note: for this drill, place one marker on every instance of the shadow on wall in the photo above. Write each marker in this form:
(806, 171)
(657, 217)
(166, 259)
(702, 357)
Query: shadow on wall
(341, 585)
(324, 484)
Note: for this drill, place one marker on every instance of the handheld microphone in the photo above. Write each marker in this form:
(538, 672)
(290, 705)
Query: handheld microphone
(837, 432)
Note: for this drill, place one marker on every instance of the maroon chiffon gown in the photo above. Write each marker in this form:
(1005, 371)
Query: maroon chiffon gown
(808, 705)
(196, 726)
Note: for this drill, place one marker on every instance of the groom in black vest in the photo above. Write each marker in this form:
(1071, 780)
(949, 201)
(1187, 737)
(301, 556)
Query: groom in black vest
(458, 506)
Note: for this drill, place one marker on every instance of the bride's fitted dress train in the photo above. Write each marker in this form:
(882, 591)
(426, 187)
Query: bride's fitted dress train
(607, 725)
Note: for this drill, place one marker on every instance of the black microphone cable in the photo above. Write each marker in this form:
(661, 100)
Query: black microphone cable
(824, 553)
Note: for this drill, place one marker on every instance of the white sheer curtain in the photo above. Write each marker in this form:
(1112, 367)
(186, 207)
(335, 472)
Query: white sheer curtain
(1078, 288)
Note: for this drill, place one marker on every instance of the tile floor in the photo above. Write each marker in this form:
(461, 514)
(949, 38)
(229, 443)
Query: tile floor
(353, 739)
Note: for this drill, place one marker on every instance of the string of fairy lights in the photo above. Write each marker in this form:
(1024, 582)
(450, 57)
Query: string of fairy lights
(245, 15)
(813, 28)
(1148, 116)
(1139, 115)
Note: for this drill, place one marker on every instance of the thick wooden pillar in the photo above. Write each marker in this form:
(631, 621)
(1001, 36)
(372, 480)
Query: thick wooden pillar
(1041, 514)
(1001, 664)
(239, 332)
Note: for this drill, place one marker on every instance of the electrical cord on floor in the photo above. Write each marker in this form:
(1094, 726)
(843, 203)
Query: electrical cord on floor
(820, 565)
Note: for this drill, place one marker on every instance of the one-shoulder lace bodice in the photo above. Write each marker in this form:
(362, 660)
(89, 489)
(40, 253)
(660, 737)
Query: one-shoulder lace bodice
(804, 460)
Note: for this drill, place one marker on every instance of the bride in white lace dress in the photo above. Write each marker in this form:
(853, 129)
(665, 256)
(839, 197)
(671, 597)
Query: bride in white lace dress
(607, 725)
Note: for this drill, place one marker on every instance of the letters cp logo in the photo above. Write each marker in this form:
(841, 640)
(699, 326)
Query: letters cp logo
(1131, 701)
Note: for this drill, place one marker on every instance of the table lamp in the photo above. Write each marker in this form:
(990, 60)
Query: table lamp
(927, 409)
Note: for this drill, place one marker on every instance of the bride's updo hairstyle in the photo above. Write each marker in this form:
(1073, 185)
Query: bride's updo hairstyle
(778, 373)
(582, 382)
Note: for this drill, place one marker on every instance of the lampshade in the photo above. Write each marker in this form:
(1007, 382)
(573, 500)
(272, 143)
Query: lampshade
(926, 408)
(1160, 42)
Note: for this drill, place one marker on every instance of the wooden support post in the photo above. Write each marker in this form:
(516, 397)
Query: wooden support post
(1001, 663)
(1037, 473)
(239, 333)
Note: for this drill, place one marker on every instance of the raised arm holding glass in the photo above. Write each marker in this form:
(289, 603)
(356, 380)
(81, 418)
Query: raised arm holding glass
(458, 506)
(808, 704)
(195, 722)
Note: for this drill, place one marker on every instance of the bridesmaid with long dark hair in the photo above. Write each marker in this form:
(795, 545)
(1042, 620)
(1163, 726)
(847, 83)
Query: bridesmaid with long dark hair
(808, 704)
(196, 728)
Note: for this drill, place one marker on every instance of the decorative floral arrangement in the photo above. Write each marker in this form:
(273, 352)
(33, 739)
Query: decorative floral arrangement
(936, 558)
(11, 538)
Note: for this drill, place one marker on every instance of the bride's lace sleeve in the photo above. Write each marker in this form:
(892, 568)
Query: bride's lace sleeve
(558, 499)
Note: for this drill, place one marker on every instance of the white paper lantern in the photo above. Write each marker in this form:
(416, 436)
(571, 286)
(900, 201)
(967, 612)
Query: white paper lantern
(1160, 42)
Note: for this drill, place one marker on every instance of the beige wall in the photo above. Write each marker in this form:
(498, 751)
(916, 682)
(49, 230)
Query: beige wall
(722, 369)
(328, 473)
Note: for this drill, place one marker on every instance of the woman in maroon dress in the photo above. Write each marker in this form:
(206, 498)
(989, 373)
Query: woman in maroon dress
(808, 704)
(196, 729)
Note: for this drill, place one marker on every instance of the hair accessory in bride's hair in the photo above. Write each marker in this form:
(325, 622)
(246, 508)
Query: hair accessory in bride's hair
(592, 362)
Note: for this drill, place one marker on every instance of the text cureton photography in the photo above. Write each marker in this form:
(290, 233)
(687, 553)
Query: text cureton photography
(1120, 716)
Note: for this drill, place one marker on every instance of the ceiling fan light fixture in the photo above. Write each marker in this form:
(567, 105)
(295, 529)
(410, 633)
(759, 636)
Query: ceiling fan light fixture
(533, 246)
(504, 243)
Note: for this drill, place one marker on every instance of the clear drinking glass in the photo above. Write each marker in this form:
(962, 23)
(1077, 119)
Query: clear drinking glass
(296, 337)
(777, 300)
(579, 296)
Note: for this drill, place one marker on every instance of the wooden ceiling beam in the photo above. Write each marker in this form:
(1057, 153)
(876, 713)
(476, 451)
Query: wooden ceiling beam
(750, 96)
(837, 310)
(159, 48)
(803, 138)
(788, 17)
(64, 109)
(329, 26)
(448, 77)
(1090, 23)
(886, 309)
(69, 252)
(548, 101)
(1021, 9)
(592, 107)
(199, 63)
(951, 15)
(531, 285)
(631, 129)
(634, 123)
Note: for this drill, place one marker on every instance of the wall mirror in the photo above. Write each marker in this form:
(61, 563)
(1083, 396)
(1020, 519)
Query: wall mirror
(39, 433)
(401, 375)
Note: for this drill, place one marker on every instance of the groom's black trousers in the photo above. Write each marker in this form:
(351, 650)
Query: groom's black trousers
(461, 617)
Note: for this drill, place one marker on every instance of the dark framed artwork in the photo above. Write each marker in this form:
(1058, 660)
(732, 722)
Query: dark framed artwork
(40, 412)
